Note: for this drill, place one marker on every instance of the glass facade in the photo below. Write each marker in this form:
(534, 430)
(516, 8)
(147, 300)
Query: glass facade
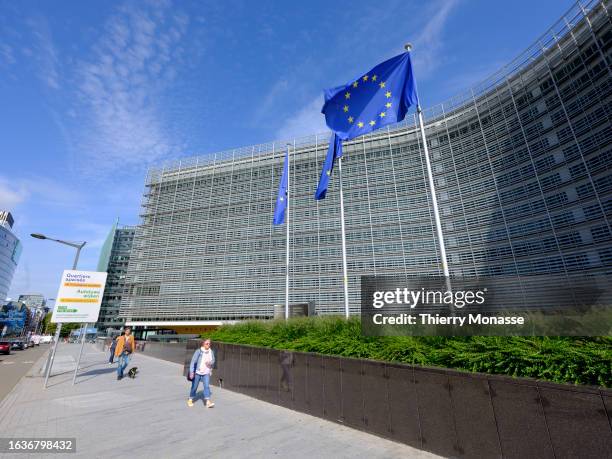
(33, 300)
(17, 317)
(10, 251)
(114, 258)
(522, 165)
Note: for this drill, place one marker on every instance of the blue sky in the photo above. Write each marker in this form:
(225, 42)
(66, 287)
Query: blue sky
(92, 93)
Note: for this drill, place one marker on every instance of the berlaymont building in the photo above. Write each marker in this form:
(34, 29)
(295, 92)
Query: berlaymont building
(523, 170)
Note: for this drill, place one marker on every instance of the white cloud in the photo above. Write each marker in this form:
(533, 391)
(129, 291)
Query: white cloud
(43, 191)
(11, 194)
(309, 120)
(430, 40)
(45, 55)
(7, 54)
(119, 90)
(270, 99)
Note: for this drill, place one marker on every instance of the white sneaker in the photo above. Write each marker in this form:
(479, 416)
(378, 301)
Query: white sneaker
(209, 404)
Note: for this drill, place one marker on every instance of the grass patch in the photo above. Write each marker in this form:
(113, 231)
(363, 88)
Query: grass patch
(574, 360)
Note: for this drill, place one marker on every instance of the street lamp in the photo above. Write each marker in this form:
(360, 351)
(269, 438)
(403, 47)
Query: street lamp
(78, 246)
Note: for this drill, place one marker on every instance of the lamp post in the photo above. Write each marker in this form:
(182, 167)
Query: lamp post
(78, 246)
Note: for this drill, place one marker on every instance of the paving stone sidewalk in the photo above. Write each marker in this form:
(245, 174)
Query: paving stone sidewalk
(149, 417)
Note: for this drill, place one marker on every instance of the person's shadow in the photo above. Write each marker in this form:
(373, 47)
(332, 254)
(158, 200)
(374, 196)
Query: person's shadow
(82, 377)
(286, 362)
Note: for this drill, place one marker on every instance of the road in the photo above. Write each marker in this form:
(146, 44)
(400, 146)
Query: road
(14, 366)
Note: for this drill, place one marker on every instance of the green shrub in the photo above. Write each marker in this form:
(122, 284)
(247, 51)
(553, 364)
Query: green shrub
(576, 360)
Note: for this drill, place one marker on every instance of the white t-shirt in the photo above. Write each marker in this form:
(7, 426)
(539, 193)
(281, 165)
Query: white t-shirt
(206, 358)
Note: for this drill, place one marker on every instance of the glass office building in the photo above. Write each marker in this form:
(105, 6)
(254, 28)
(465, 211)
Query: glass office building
(114, 258)
(33, 300)
(37, 304)
(522, 165)
(10, 251)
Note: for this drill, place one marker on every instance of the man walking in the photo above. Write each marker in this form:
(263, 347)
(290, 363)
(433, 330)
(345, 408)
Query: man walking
(125, 346)
(200, 369)
(113, 346)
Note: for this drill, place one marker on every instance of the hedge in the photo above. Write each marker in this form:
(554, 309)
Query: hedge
(576, 360)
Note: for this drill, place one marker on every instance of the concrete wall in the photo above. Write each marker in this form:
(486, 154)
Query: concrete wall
(448, 412)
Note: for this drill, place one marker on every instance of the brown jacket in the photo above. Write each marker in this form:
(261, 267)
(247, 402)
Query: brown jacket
(121, 344)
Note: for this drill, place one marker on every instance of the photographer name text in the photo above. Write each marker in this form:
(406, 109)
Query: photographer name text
(437, 319)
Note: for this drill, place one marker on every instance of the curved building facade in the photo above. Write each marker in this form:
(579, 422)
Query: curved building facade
(10, 251)
(523, 170)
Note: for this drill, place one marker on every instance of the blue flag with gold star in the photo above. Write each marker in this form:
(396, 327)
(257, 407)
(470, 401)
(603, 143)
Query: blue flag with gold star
(380, 97)
(281, 199)
(334, 151)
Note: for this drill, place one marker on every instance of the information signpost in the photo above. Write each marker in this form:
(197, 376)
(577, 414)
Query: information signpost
(78, 300)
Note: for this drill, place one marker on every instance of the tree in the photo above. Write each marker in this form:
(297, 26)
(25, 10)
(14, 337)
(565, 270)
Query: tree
(49, 327)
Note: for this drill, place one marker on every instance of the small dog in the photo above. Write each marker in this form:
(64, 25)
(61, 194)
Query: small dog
(132, 372)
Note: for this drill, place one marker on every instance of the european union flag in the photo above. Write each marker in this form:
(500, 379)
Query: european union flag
(380, 97)
(281, 199)
(334, 151)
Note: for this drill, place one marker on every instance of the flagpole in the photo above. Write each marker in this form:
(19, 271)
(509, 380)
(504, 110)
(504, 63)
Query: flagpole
(342, 228)
(434, 200)
(432, 188)
(287, 214)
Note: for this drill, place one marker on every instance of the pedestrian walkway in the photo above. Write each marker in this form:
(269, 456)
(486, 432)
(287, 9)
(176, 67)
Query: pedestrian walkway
(149, 417)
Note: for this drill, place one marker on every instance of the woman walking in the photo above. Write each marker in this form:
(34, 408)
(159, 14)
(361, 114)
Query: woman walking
(200, 369)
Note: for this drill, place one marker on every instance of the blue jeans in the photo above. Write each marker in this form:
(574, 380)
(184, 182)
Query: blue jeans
(196, 382)
(122, 362)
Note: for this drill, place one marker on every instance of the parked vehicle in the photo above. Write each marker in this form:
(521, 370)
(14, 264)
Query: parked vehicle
(45, 339)
(18, 345)
(5, 347)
